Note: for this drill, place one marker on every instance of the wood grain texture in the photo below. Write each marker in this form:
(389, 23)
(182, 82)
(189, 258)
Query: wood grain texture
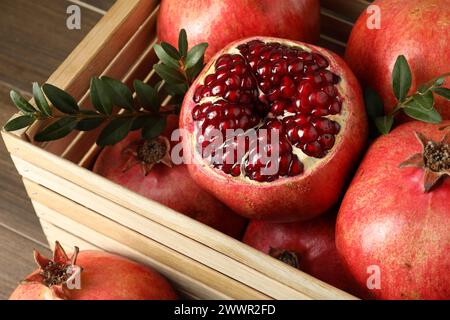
(16, 259)
(35, 39)
(100, 4)
(16, 211)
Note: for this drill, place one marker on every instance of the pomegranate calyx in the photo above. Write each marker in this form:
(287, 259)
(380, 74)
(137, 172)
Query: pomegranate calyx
(147, 153)
(287, 256)
(53, 272)
(434, 159)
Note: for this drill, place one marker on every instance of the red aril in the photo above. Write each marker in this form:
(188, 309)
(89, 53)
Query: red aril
(304, 94)
(103, 276)
(219, 22)
(417, 29)
(393, 227)
(308, 246)
(138, 165)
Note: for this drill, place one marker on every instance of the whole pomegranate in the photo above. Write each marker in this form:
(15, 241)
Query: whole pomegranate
(417, 29)
(219, 22)
(308, 246)
(102, 276)
(305, 97)
(145, 167)
(393, 228)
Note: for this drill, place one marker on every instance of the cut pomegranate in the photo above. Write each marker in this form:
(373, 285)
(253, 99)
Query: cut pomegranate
(305, 109)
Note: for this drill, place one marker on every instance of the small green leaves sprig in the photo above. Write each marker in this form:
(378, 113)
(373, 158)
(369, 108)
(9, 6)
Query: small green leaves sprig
(177, 69)
(419, 105)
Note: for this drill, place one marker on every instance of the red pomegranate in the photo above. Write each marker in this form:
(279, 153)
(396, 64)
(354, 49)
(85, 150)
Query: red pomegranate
(308, 246)
(102, 276)
(301, 94)
(393, 228)
(417, 29)
(145, 167)
(219, 22)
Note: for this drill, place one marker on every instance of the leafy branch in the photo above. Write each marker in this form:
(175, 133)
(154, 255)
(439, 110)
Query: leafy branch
(420, 105)
(177, 69)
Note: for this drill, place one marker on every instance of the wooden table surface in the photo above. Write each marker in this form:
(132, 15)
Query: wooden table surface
(34, 41)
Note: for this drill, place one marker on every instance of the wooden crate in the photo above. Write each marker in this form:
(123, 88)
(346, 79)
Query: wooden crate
(81, 208)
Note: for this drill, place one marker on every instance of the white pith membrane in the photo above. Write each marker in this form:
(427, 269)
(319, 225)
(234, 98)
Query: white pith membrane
(309, 162)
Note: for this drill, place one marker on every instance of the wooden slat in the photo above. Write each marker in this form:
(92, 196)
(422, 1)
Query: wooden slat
(346, 9)
(16, 260)
(140, 243)
(57, 226)
(335, 27)
(104, 5)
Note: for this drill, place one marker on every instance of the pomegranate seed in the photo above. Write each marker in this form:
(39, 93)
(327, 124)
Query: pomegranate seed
(287, 87)
(295, 66)
(323, 125)
(320, 112)
(307, 134)
(319, 99)
(296, 167)
(326, 141)
(280, 67)
(218, 89)
(278, 108)
(264, 70)
(233, 82)
(314, 149)
(320, 61)
(335, 107)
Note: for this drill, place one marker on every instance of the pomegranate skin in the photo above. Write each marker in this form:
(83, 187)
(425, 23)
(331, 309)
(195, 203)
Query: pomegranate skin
(417, 29)
(219, 22)
(313, 242)
(107, 277)
(286, 199)
(387, 220)
(170, 186)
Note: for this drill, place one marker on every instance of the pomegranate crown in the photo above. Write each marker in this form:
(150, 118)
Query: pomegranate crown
(434, 159)
(53, 273)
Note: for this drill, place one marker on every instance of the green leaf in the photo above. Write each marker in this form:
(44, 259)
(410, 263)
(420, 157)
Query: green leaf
(401, 78)
(384, 124)
(439, 81)
(171, 50)
(19, 123)
(176, 89)
(424, 101)
(89, 123)
(147, 95)
(101, 96)
(193, 72)
(60, 99)
(195, 54)
(115, 131)
(443, 92)
(121, 95)
(165, 57)
(21, 103)
(168, 74)
(40, 100)
(374, 103)
(154, 127)
(183, 43)
(57, 129)
(417, 111)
